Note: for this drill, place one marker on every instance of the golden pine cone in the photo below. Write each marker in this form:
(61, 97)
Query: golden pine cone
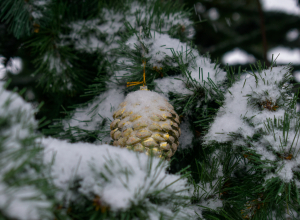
(146, 122)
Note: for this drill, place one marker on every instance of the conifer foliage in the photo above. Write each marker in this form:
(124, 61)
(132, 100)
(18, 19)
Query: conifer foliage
(22, 185)
(238, 151)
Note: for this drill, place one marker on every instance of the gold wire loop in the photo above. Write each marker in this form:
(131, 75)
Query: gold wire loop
(144, 71)
(144, 78)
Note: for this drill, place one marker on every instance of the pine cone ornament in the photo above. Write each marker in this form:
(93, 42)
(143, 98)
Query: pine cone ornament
(146, 122)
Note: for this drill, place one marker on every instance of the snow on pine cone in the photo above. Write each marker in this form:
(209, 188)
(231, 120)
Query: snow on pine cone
(146, 122)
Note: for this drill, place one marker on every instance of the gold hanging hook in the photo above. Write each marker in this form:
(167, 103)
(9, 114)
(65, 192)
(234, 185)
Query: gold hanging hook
(144, 87)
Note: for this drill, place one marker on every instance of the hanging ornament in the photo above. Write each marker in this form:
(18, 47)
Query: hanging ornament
(146, 122)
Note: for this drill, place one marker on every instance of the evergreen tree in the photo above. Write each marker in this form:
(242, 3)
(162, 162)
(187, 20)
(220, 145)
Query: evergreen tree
(237, 156)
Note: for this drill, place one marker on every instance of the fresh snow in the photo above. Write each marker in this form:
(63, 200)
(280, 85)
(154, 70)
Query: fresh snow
(14, 65)
(145, 103)
(287, 6)
(160, 49)
(242, 116)
(24, 200)
(91, 116)
(2, 68)
(284, 55)
(237, 105)
(16, 136)
(237, 56)
(173, 84)
(120, 177)
(164, 48)
(20, 116)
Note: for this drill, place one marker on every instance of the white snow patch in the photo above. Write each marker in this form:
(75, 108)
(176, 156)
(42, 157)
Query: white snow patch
(2, 68)
(212, 203)
(292, 35)
(12, 106)
(241, 115)
(285, 55)
(204, 69)
(103, 106)
(237, 56)
(145, 13)
(24, 200)
(230, 117)
(173, 84)
(209, 199)
(19, 129)
(160, 46)
(285, 171)
(121, 178)
(89, 34)
(146, 104)
(14, 65)
(287, 6)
